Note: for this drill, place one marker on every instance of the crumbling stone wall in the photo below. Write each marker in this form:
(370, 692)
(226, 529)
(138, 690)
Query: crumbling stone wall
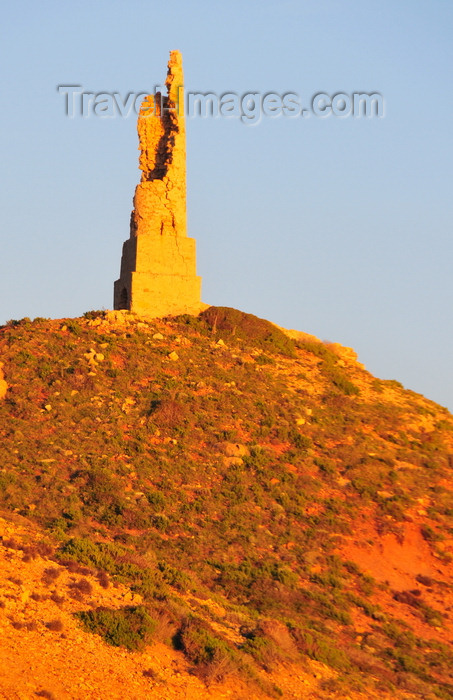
(158, 266)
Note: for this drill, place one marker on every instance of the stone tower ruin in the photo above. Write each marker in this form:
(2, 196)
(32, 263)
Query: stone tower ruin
(158, 265)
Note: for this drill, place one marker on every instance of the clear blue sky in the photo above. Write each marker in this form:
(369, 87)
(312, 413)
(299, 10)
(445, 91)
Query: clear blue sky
(338, 227)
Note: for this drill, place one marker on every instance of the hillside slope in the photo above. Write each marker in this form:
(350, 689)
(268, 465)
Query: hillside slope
(210, 495)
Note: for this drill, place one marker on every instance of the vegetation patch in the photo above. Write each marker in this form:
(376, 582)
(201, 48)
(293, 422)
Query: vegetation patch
(228, 324)
(229, 477)
(129, 627)
(212, 657)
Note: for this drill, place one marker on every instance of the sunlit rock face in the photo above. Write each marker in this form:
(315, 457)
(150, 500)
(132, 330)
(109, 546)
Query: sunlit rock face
(158, 266)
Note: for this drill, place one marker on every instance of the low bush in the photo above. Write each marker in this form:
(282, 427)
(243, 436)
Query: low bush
(50, 575)
(212, 656)
(264, 651)
(320, 648)
(129, 627)
(103, 579)
(82, 586)
(54, 625)
(228, 323)
(329, 366)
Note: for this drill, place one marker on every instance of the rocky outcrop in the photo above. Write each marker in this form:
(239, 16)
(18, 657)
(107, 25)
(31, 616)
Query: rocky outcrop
(3, 384)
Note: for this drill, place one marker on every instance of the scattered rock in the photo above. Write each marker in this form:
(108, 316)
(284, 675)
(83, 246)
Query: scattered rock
(127, 404)
(24, 594)
(116, 317)
(3, 384)
(93, 358)
(234, 449)
(173, 356)
(232, 461)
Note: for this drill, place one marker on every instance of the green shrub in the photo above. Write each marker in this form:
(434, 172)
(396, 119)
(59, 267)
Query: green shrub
(329, 366)
(341, 382)
(264, 360)
(156, 499)
(100, 555)
(174, 577)
(74, 327)
(150, 585)
(319, 350)
(264, 651)
(392, 383)
(91, 315)
(129, 627)
(228, 323)
(320, 648)
(160, 522)
(211, 655)
(429, 533)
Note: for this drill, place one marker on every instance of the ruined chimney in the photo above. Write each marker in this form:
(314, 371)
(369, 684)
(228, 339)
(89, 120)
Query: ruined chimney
(158, 265)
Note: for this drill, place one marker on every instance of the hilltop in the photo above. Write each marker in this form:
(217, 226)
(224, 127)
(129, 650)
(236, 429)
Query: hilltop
(208, 507)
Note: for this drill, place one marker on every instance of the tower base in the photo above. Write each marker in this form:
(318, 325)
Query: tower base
(158, 276)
